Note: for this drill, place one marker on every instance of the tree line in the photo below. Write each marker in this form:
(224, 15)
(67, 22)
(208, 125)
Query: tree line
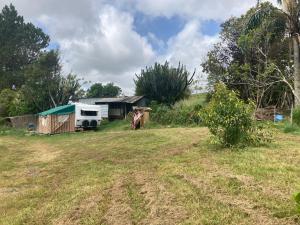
(31, 74)
(258, 55)
(32, 79)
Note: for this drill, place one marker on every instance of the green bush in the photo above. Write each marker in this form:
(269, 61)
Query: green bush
(231, 121)
(183, 113)
(12, 103)
(296, 116)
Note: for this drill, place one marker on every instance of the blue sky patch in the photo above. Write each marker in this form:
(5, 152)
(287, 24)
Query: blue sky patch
(162, 28)
(210, 27)
(159, 30)
(53, 45)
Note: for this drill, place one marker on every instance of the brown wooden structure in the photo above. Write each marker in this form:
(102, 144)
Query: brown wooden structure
(55, 124)
(23, 122)
(57, 120)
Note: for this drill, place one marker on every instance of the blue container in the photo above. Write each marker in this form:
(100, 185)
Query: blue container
(278, 118)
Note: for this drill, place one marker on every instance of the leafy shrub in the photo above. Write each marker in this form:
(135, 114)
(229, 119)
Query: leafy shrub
(260, 133)
(296, 116)
(183, 113)
(231, 121)
(12, 103)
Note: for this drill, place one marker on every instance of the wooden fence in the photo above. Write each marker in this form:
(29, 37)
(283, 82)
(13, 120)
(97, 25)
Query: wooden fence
(23, 122)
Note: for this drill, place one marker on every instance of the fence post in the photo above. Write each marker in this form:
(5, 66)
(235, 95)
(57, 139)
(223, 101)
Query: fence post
(292, 114)
(274, 114)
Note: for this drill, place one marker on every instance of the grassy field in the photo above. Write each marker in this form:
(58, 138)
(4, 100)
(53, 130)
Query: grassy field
(155, 176)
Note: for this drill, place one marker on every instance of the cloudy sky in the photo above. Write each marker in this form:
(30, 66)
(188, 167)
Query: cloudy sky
(111, 40)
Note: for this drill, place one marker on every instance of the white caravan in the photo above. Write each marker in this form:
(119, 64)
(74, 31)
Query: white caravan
(87, 116)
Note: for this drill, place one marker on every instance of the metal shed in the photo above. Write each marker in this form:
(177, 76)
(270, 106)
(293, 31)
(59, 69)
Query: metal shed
(57, 120)
(118, 107)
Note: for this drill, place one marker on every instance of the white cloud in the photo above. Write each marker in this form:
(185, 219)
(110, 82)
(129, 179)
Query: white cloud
(191, 9)
(190, 45)
(100, 45)
(190, 48)
(98, 40)
(113, 47)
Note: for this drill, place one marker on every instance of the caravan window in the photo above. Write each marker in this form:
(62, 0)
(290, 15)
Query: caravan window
(89, 113)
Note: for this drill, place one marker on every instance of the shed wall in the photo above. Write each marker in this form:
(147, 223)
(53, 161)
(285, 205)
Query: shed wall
(55, 124)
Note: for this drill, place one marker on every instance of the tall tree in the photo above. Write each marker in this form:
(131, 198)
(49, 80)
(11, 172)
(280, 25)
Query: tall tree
(45, 85)
(290, 10)
(98, 90)
(254, 61)
(164, 83)
(20, 45)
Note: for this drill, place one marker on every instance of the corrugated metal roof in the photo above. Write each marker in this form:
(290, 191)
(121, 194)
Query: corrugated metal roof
(132, 99)
(108, 100)
(125, 99)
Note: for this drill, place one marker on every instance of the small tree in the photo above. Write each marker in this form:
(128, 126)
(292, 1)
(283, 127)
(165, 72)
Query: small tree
(98, 90)
(228, 118)
(12, 103)
(46, 87)
(7, 96)
(163, 83)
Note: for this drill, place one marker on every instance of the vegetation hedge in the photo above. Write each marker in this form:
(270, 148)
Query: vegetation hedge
(182, 113)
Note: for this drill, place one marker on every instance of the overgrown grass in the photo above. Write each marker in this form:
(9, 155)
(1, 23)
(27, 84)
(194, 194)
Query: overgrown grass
(287, 127)
(183, 113)
(150, 176)
(5, 130)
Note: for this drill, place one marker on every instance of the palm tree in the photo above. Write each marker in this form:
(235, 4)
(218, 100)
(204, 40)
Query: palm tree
(290, 10)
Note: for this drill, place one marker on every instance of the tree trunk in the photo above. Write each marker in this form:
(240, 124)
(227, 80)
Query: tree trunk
(296, 69)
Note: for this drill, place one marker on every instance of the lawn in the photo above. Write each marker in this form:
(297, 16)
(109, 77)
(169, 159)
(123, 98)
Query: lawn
(152, 176)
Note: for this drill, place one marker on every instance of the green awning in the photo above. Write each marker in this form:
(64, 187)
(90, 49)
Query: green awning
(60, 110)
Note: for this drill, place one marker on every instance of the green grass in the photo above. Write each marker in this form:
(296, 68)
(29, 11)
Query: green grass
(114, 125)
(191, 101)
(287, 127)
(149, 176)
(122, 125)
(6, 131)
